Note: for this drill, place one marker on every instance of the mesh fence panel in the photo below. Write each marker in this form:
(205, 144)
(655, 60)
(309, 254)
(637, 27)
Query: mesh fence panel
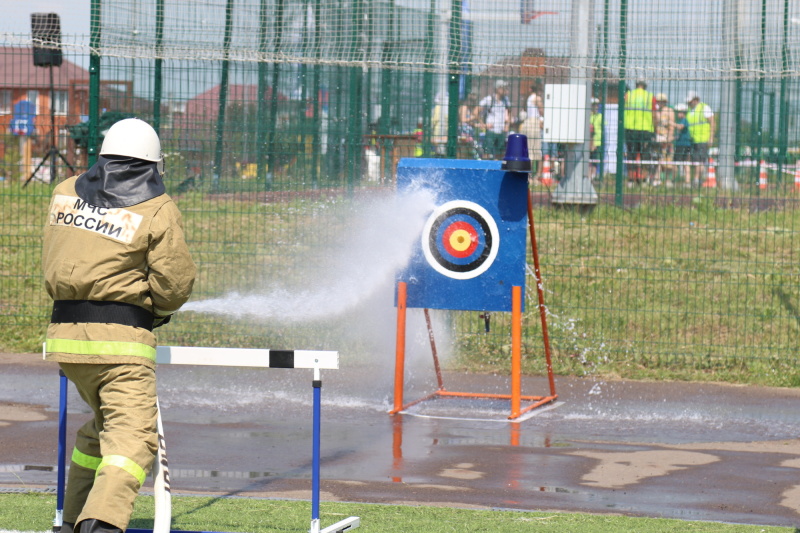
(279, 117)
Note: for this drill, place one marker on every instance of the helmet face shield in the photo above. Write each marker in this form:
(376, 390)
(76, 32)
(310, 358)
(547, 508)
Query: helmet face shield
(132, 137)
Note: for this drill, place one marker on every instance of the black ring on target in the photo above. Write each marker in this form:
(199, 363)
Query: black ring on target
(433, 237)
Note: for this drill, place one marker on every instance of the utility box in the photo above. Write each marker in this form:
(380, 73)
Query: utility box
(565, 113)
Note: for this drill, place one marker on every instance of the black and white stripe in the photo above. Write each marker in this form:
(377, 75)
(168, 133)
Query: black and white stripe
(251, 357)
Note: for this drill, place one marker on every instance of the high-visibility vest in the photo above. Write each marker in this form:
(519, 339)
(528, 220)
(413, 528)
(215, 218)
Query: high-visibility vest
(418, 147)
(699, 127)
(639, 110)
(596, 121)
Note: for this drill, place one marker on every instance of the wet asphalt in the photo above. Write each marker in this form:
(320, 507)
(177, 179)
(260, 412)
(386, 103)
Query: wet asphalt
(675, 450)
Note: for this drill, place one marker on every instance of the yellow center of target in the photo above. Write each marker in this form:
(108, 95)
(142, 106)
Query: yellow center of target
(460, 240)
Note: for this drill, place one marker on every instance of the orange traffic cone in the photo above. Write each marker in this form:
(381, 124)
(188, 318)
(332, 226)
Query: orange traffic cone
(762, 176)
(547, 175)
(797, 177)
(711, 182)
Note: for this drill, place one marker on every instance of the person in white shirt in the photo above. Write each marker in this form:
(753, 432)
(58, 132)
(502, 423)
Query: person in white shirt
(496, 119)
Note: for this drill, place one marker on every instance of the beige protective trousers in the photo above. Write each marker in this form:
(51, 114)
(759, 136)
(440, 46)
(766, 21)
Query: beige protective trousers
(115, 450)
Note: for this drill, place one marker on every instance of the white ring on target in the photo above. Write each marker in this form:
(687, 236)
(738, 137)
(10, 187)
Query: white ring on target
(495, 235)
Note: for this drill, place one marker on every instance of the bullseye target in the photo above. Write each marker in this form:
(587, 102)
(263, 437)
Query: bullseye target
(460, 240)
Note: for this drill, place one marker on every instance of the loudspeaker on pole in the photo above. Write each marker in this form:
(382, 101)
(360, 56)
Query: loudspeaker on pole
(46, 35)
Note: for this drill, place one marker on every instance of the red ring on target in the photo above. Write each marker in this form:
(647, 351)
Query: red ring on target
(460, 240)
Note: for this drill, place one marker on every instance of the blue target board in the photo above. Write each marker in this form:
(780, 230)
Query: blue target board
(472, 248)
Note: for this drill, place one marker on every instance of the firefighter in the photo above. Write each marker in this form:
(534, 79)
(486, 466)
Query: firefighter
(116, 265)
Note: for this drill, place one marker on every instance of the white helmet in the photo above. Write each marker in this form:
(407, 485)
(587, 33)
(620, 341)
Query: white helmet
(132, 137)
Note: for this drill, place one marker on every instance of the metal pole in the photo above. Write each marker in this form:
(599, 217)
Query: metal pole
(783, 114)
(623, 59)
(94, 83)
(400, 347)
(52, 154)
(316, 86)
(62, 448)
(261, 112)
(576, 188)
(759, 124)
(273, 108)
(427, 83)
(354, 149)
(727, 122)
(157, 74)
(223, 96)
(454, 57)
(601, 167)
(315, 453)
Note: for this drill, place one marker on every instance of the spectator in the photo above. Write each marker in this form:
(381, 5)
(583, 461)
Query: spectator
(596, 138)
(533, 125)
(665, 137)
(439, 125)
(532, 129)
(418, 135)
(638, 123)
(683, 142)
(468, 116)
(496, 118)
(701, 128)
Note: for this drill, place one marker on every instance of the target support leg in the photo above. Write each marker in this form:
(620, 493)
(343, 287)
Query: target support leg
(516, 351)
(400, 348)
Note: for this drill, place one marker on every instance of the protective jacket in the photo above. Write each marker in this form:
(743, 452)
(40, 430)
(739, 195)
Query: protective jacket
(115, 261)
(639, 110)
(699, 126)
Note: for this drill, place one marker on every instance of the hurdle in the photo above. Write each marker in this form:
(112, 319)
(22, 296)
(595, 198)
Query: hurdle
(232, 357)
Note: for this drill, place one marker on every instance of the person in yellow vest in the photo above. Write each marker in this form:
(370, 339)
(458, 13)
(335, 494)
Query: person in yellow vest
(418, 133)
(639, 131)
(117, 266)
(701, 128)
(596, 142)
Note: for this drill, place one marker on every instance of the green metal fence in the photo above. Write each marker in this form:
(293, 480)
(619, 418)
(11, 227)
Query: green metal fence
(283, 121)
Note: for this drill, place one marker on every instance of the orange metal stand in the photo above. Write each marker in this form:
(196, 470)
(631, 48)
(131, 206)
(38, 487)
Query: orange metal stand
(516, 398)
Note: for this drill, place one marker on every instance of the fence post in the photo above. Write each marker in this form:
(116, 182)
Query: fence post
(94, 83)
(223, 96)
(623, 58)
(157, 75)
(452, 88)
(355, 137)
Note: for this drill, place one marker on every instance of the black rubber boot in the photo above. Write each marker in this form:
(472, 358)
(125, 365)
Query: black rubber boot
(67, 527)
(92, 525)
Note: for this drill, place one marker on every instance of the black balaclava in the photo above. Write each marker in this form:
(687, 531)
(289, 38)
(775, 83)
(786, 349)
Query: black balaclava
(119, 181)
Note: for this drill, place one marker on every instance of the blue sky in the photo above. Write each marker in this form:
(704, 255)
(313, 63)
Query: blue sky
(74, 15)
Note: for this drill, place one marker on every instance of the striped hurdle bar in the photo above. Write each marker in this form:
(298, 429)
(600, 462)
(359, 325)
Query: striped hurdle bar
(241, 357)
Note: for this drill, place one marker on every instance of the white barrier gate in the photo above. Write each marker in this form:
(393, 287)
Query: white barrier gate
(242, 357)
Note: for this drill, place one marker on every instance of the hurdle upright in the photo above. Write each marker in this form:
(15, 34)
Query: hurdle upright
(235, 357)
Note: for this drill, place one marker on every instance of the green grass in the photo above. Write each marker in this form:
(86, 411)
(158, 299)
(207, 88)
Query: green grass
(685, 289)
(34, 512)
